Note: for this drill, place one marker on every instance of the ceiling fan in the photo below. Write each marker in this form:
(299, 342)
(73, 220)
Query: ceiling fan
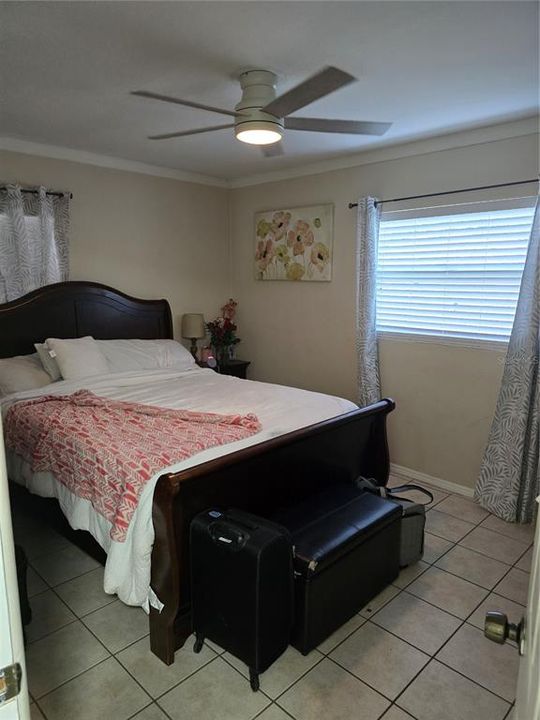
(260, 117)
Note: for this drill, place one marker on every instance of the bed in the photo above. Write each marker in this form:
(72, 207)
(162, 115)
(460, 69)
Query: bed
(279, 466)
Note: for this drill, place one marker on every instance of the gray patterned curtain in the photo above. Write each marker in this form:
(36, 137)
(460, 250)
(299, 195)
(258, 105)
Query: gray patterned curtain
(369, 386)
(34, 231)
(509, 479)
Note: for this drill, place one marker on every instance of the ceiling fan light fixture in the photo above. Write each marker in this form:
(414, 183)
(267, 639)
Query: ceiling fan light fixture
(260, 118)
(258, 132)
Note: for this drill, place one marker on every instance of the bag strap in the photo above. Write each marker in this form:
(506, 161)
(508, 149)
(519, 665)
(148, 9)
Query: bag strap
(392, 492)
(370, 485)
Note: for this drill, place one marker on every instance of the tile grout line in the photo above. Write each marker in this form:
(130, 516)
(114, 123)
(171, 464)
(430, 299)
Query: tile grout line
(514, 567)
(190, 675)
(48, 587)
(490, 590)
(274, 703)
(65, 682)
(380, 692)
(457, 542)
(408, 642)
(413, 717)
(509, 710)
(460, 577)
(349, 672)
(324, 655)
(476, 552)
(462, 623)
(434, 657)
(366, 620)
(114, 655)
(155, 700)
(449, 667)
(131, 644)
(78, 618)
(51, 632)
(327, 656)
(131, 717)
(476, 525)
(167, 716)
(111, 654)
(180, 682)
(274, 700)
(454, 543)
(64, 582)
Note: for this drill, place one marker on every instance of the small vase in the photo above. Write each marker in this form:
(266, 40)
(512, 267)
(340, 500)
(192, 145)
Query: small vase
(222, 354)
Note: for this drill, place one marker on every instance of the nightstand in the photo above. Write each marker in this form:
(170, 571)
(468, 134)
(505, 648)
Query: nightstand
(237, 368)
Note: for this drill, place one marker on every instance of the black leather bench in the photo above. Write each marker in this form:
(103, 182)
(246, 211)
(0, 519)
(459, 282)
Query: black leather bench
(346, 546)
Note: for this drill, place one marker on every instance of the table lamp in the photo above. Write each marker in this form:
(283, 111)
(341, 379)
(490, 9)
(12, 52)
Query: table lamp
(193, 329)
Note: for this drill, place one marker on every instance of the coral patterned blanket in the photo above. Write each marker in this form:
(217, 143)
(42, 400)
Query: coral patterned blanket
(106, 450)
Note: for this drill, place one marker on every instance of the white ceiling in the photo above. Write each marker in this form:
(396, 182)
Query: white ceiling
(66, 70)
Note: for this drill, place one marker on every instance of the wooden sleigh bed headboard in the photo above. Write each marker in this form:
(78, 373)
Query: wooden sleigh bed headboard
(78, 308)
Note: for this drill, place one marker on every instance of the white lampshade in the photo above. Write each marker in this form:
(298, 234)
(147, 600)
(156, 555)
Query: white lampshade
(193, 325)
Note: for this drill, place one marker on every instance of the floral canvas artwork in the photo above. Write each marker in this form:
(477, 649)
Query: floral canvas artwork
(294, 244)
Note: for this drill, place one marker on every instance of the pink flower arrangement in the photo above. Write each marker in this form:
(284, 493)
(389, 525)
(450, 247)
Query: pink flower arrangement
(222, 330)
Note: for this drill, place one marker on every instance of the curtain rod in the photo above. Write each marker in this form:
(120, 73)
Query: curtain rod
(450, 192)
(35, 192)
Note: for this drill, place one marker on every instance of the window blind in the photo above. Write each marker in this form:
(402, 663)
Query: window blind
(452, 275)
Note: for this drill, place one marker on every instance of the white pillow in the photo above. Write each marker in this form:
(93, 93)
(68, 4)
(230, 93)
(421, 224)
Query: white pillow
(78, 357)
(125, 355)
(23, 372)
(49, 363)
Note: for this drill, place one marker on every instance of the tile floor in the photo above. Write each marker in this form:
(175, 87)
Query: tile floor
(416, 651)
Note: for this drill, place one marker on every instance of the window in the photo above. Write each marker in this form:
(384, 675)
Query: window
(452, 275)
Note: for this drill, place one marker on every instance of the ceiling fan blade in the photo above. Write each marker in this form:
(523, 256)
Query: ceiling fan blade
(315, 87)
(351, 127)
(273, 150)
(178, 101)
(183, 133)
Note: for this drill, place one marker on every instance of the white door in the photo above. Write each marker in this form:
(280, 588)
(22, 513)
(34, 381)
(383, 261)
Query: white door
(11, 638)
(528, 692)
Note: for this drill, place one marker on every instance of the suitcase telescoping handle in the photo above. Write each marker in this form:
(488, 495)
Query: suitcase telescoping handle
(370, 485)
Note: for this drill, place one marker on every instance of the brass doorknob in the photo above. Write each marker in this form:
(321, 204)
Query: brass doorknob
(499, 630)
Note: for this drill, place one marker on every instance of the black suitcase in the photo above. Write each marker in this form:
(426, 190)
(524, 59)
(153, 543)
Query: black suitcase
(242, 586)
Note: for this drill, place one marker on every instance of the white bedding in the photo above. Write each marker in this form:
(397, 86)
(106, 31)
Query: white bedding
(280, 409)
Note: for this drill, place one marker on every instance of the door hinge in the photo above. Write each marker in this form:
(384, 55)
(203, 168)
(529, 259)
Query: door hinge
(10, 682)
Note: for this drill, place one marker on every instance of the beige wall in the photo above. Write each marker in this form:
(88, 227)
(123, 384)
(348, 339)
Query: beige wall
(148, 236)
(303, 334)
(157, 237)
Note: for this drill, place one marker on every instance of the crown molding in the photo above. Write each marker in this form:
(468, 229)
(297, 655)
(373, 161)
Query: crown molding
(400, 149)
(463, 138)
(56, 152)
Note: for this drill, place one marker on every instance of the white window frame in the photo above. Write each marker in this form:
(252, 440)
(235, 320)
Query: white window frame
(453, 209)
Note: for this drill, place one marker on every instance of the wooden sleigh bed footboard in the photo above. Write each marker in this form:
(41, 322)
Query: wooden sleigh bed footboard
(260, 479)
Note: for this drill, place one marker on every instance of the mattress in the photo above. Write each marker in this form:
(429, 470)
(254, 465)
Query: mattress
(280, 409)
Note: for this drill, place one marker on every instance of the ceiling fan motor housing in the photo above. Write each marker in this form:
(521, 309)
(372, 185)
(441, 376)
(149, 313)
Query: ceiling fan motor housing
(258, 89)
